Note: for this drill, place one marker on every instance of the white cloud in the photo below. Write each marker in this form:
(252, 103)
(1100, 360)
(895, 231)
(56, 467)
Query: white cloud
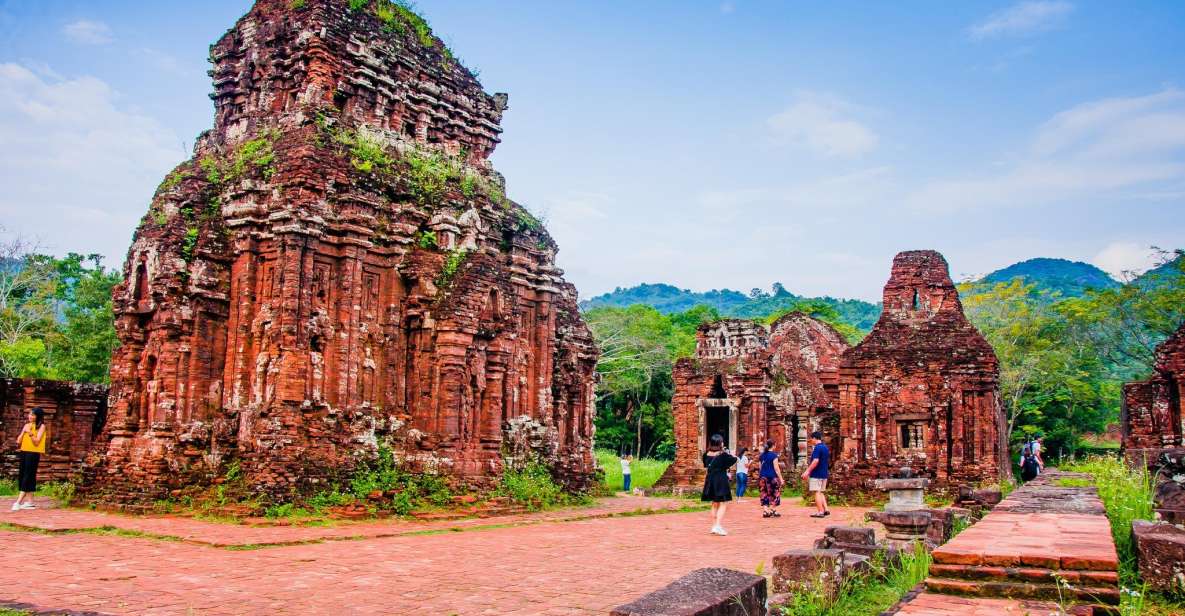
(78, 168)
(822, 123)
(727, 8)
(87, 32)
(1021, 19)
(1124, 260)
(1127, 147)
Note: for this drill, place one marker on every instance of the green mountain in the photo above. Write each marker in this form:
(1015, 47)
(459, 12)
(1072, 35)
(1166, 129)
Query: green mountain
(667, 299)
(1061, 276)
(757, 304)
(1171, 272)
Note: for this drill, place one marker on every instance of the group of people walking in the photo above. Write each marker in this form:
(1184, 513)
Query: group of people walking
(719, 461)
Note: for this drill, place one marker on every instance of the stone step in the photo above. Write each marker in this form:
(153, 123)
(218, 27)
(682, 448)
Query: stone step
(1019, 590)
(1028, 575)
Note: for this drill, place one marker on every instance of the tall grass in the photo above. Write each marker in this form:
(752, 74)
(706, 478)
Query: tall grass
(643, 471)
(865, 595)
(1127, 495)
(8, 487)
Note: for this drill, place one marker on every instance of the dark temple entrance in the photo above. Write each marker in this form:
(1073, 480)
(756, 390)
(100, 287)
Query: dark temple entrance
(716, 422)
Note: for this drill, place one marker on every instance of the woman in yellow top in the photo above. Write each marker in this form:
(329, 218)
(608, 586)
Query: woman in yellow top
(32, 441)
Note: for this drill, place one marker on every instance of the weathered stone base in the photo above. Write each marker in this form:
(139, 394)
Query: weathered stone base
(1160, 548)
(703, 592)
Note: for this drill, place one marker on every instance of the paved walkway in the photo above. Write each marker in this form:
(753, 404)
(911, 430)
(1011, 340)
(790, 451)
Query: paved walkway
(576, 567)
(932, 604)
(217, 534)
(1044, 542)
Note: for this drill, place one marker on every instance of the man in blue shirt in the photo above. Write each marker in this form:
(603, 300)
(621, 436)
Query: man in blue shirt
(817, 473)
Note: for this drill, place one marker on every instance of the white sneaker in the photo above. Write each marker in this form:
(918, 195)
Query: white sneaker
(720, 531)
(28, 506)
(16, 506)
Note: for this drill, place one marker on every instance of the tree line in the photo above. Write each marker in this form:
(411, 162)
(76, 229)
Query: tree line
(56, 318)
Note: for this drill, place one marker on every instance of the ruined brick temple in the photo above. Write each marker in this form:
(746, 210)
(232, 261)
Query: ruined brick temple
(921, 389)
(1153, 414)
(337, 268)
(749, 384)
(74, 414)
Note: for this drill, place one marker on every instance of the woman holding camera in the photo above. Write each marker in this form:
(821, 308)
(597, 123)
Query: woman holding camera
(32, 444)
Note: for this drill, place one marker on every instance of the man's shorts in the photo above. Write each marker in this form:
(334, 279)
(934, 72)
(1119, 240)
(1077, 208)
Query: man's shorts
(818, 485)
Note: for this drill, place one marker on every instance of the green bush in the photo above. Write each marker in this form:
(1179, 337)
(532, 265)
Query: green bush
(8, 487)
(533, 487)
(367, 153)
(426, 240)
(429, 174)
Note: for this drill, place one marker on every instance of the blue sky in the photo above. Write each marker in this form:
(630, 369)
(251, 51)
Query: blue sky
(705, 144)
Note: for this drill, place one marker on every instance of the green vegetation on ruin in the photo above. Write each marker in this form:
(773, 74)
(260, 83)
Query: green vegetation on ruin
(864, 594)
(451, 265)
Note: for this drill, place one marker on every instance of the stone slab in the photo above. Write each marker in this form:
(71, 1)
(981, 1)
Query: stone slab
(703, 592)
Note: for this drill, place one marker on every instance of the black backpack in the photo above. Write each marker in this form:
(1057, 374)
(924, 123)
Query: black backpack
(1028, 463)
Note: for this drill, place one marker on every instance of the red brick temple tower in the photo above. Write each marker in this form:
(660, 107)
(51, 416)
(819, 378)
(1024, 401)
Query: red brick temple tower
(921, 389)
(337, 269)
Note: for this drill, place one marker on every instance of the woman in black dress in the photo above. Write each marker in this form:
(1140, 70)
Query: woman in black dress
(716, 489)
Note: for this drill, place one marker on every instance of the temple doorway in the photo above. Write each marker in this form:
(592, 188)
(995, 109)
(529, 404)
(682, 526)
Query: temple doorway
(716, 422)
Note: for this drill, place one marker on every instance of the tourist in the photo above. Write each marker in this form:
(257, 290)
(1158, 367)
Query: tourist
(625, 472)
(817, 473)
(1030, 460)
(32, 445)
(770, 481)
(716, 489)
(742, 473)
(1038, 443)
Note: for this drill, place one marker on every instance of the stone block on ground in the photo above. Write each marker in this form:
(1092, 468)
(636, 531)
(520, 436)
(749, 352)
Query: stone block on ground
(805, 570)
(1160, 548)
(703, 592)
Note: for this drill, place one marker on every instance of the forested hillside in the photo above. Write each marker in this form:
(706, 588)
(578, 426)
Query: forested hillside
(757, 304)
(1055, 276)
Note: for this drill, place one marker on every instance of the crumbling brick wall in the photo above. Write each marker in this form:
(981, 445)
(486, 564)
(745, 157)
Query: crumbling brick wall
(921, 389)
(74, 414)
(1153, 414)
(336, 268)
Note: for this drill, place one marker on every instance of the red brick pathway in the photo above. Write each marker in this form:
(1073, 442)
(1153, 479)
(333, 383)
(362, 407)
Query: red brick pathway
(930, 604)
(576, 567)
(218, 534)
(1045, 541)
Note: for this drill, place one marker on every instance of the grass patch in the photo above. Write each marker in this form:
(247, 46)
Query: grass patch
(1127, 495)
(8, 487)
(1074, 482)
(533, 487)
(867, 594)
(644, 472)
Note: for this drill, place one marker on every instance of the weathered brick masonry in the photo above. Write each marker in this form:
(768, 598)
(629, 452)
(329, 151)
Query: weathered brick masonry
(1153, 414)
(750, 384)
(74, 414)
(337, 268)
(921, 389)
